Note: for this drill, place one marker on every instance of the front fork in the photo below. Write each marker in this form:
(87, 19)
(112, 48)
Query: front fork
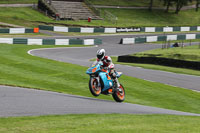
(117, 82)
(99, 84)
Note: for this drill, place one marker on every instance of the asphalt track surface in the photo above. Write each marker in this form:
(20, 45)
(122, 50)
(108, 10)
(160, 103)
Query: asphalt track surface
(15, 101)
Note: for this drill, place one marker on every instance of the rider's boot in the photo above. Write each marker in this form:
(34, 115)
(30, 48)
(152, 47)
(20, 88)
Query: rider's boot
(117, 85)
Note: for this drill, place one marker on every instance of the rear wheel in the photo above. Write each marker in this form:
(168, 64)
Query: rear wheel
(119, 96)
(94, 88)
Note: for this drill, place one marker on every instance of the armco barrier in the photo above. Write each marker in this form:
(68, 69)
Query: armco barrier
(78, 29)
(160, 61)
(115, 30)
(19, 30)
(159, 38)
(170, 29)
(51, 41)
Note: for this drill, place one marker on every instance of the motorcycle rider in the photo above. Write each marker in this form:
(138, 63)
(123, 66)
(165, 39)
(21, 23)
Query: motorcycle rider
(107, 64)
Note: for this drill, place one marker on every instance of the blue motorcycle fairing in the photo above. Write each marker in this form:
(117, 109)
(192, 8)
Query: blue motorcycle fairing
(89, 71)
(107, 81)
(96, 65)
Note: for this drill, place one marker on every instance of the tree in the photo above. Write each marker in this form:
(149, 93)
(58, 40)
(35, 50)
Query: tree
(150, 5)
(197, 5)
(168, 3)
(180, 4)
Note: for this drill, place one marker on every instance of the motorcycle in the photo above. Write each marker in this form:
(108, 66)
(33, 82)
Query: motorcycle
(102, 83)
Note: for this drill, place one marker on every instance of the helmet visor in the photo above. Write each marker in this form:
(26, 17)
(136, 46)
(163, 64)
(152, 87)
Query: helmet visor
(100, 56)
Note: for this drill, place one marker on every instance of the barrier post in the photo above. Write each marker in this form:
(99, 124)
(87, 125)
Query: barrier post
(36, 30)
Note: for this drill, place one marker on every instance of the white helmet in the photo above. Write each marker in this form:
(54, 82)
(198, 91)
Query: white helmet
(101, 54)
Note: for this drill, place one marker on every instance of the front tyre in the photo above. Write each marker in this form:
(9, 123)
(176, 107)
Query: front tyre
(93, 86)
(119, 96)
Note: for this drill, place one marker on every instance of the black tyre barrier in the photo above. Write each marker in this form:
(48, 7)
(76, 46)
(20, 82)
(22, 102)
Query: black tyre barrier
(160, 61)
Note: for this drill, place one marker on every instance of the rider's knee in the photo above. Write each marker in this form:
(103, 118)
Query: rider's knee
(113, 75)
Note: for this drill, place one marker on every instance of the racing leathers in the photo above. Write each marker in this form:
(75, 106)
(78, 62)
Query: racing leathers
(108, 65)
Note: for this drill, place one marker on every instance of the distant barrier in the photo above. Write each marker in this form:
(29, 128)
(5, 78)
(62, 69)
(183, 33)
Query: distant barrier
(115, 30)
(51, 41)
(160, 61)
(78, 29)
(147, 39)
(18, 30)
(170, 29)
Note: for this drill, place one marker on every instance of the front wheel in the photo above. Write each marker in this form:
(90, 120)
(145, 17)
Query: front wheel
(94, 88)
(119, 96)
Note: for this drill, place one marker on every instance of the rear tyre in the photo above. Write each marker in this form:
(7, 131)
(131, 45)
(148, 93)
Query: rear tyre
(93, 86)
(119, 96)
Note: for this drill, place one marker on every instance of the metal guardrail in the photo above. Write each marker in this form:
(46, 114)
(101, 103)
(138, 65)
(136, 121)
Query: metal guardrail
(109, 16)
(102, 13)
(95, 10)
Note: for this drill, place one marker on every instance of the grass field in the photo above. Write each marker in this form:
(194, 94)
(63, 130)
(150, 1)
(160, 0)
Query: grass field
(126, 18)
(155, 18)
(17, 68)
(138, 3)
(18, 1)
(110, 123)
(23, 35)
(22, 16)
(188, 53)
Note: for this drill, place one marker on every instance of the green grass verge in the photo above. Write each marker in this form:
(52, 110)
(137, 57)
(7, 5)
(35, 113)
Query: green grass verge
(18, 1)
(178, 41)
(78, 33)
(126, 18)
(23, 16)
(23, 35)
(110, 123)
(137, 3)
(17, 68)
(188, 53)
(134, 17)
